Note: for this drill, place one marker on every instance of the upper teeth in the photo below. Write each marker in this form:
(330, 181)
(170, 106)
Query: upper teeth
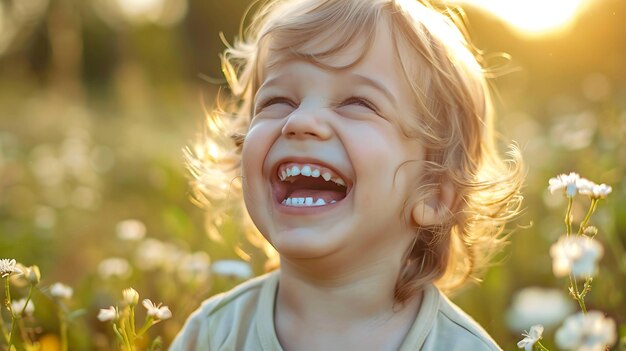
(292, 170)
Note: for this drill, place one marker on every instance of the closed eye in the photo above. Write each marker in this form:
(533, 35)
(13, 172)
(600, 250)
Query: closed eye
(355, 100)
(278, 100)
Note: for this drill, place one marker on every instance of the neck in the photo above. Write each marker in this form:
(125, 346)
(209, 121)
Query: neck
(357, 293)
(335, 311)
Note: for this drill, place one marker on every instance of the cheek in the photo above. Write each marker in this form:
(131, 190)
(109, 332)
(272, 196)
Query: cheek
(376, 151)
(256, 146)
(253, 154)
(388, 165)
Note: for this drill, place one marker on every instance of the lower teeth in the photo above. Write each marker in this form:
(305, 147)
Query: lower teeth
(304, 202)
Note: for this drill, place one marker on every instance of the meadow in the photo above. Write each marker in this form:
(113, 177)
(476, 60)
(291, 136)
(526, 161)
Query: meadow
(98, 102)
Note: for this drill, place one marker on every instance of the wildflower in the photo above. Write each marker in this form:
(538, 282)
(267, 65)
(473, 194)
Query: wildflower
(601, 191)
(157, 311)
(593, 190)
(31, 274)
(591, 231)
(564, 181)
(114, 267)
(531, 338)
(131, 296)
(8, 267)
(232, 268)
(195, 267)
(578, 255)
(60, 290)
(108, 314)
(590, 332)
(535, 305)
(584, 186)
(18, 305)
(131, 230)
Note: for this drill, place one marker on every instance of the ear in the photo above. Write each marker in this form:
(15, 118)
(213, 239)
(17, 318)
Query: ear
(435, 209)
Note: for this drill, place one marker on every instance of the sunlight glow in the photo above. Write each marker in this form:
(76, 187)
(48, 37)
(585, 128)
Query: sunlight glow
(137, 8)
(532, 17)
(164, 12)
(214, 151)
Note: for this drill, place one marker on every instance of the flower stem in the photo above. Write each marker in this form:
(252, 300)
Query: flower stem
(568, 215)
(63, 328)
(132, 320)
(146, 326)
(5, 332)
(577, 296)
(19, 322)
(12, 333)
(7, 298)
(586, 287)
(30, 295)
(120, 337)
(7, 292)
(156, 344)
(581, 303)
(123, 335)
(540, 346)
(130, 342)
(129, 329)
(592, 209)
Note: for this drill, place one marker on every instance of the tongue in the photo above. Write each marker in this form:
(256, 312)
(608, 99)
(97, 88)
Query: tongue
(327, 195)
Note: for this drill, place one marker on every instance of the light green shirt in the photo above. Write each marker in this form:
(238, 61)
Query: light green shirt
(243, 319)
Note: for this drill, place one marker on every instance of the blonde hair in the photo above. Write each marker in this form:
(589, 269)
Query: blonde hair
(454, 121)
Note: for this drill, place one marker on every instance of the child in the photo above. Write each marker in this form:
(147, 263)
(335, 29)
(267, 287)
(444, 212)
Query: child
(367, 161)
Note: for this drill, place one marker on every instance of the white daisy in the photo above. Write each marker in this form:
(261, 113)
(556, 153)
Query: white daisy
(601, 191)
(131, 230)
(578, 255)
(564, 181)
(114, 267)
(60, 290)
(531, 338)
(590, 332)
(157, 311)
(8, 267)
(108, 314)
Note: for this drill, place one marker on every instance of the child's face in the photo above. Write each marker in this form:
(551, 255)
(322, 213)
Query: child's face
(342, 123)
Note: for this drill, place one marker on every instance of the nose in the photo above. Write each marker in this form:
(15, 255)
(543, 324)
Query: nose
(308, 123)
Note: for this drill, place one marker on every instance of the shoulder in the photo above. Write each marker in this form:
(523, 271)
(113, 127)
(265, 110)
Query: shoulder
(455, 330)
(221, 316)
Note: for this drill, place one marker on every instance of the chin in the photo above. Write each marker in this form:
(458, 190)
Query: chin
(300, 243)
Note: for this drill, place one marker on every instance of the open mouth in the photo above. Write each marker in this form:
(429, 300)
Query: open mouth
(309, 185)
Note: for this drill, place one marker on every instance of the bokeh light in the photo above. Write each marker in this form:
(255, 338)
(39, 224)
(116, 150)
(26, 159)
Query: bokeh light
(138, 12)
(532, 18)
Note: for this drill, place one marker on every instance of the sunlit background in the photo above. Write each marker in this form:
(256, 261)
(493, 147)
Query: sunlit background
(99, 97)
(532, 18)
